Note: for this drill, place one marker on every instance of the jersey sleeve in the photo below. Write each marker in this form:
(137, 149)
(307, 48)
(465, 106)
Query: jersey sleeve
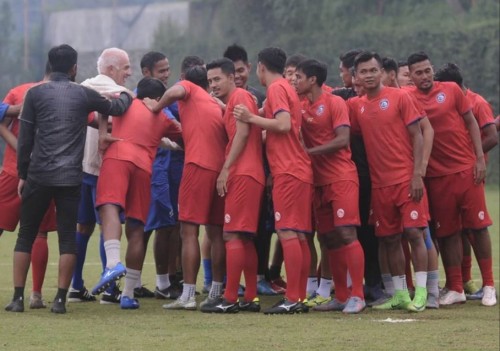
(483, 113)
(245, 98)
(187, 85)
(409, 111)
(277, 100)
(339, 112)
(462, 104)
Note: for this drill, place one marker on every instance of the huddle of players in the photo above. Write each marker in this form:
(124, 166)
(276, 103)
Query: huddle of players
(223, 181)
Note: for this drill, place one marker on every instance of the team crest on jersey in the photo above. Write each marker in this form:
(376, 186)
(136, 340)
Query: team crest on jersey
(414, 215)
(481, 215)
(440, 98)
(227, 218)
(320, 110)
(340, 213)
(277, 216)
(384, 104)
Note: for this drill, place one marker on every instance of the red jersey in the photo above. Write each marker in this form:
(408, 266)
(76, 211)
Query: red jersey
(14, 97)
(141, 132)
(327, 89)
(249, 162)
(320, 119)
(452, 150)
(480, 108)
(383, 122)
(284, 150)
(202, 128)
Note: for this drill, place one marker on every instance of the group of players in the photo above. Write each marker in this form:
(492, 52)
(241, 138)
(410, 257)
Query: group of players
(349, 164)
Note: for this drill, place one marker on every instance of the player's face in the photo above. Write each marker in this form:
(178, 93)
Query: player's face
(404, 76)
(242, 71)
(369, 74)
(220, 84)
(290, 74)
(345, 75)
(121, 71)
(358, 88)
(422, 75)
(388, 78)
(301, 83)
(161, 70)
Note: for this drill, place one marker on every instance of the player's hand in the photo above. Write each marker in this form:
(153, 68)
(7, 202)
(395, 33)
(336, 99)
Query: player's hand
(149, 103)
(241, 113)
(105, 140)
(222, 182)
(20, 187)
(111, 96)
(416, 188)
(479, 170)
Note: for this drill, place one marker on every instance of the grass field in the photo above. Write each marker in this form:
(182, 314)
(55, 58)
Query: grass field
(93, 326)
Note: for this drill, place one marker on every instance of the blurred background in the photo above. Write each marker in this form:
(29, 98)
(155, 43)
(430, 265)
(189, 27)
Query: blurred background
(462, 31)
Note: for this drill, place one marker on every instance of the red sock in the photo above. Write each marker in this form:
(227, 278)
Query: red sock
(466, 268)
(454, 278)
(486, 267)
(304, 271)
(250, 270)
(338, 266)
(292, 254)
(355, 260)
(39, 259)
(235, 261)
(406, 251)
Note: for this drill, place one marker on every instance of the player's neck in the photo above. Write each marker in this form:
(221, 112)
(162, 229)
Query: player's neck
(272, 77)
(371, 93)
(315, 93)
(226, 97)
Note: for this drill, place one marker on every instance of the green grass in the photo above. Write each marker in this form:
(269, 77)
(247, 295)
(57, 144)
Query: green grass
(100, 327)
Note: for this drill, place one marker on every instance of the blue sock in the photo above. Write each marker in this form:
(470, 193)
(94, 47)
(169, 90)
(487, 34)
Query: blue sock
(102, 252)
(81, 251)
(207, 269)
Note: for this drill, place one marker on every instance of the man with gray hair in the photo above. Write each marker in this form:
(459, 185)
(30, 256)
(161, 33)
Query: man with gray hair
(113, 66)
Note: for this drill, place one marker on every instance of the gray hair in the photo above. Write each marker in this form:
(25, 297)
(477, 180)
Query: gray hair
(110, 57)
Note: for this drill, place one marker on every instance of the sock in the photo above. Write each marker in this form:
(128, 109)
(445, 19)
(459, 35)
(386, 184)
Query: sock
(325, 287)
(388, 284)
(306, 267)
(130, 281)
(466, 268)
(486, 267)
(312, 285)
(82, 241)
(216, 290)
(338, 267)
(292, 254)
(61, 295)
(162, 281)
(207, 270)
(274, 272)
(18, 293)
(102, 252)
(235, 262)
(399, 282)
(139, 282)
(355, 261)
(39, 259)
(454, 278)
(188, 291)
(250, 270)
(421, 279)
(112, 248)
(433, 283)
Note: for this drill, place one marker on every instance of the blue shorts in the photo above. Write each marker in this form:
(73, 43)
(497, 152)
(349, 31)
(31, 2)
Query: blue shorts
(174, 179)
(161, 213)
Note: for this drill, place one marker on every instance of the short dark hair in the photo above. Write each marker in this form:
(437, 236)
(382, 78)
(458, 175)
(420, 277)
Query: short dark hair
(450, 72)
(314, 68)
(402, 63)
(235, 53)
(389, 64)
(62, 58)
(225, 64)
(149, 87)
(191, 61)
(273, 59)
(294, 60)
(417, 57)
(149, 59)
(366, 56)
(48, 69)
(197, 75)
(347, 58)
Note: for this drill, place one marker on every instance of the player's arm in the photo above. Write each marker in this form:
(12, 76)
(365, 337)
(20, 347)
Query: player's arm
(490, 137)
(105, 139)
(6, 134)
(13, 110)
(340, 141)
(473, 128)
(281, 123)
(113, 107)
(428, 138)
(173, 94)
(26, 138)
(417, 184)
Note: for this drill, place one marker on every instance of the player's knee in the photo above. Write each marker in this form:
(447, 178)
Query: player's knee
(67, 244)
(24, 244)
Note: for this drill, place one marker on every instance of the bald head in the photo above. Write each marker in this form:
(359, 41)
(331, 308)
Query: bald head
(114, 63)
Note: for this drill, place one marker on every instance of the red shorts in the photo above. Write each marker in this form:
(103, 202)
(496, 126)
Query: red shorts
(394, 210)
(10, 206)
(456, 203)
(242, 205)
(199, 202)
(124, 184)
(292, 200)
(336, 205)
